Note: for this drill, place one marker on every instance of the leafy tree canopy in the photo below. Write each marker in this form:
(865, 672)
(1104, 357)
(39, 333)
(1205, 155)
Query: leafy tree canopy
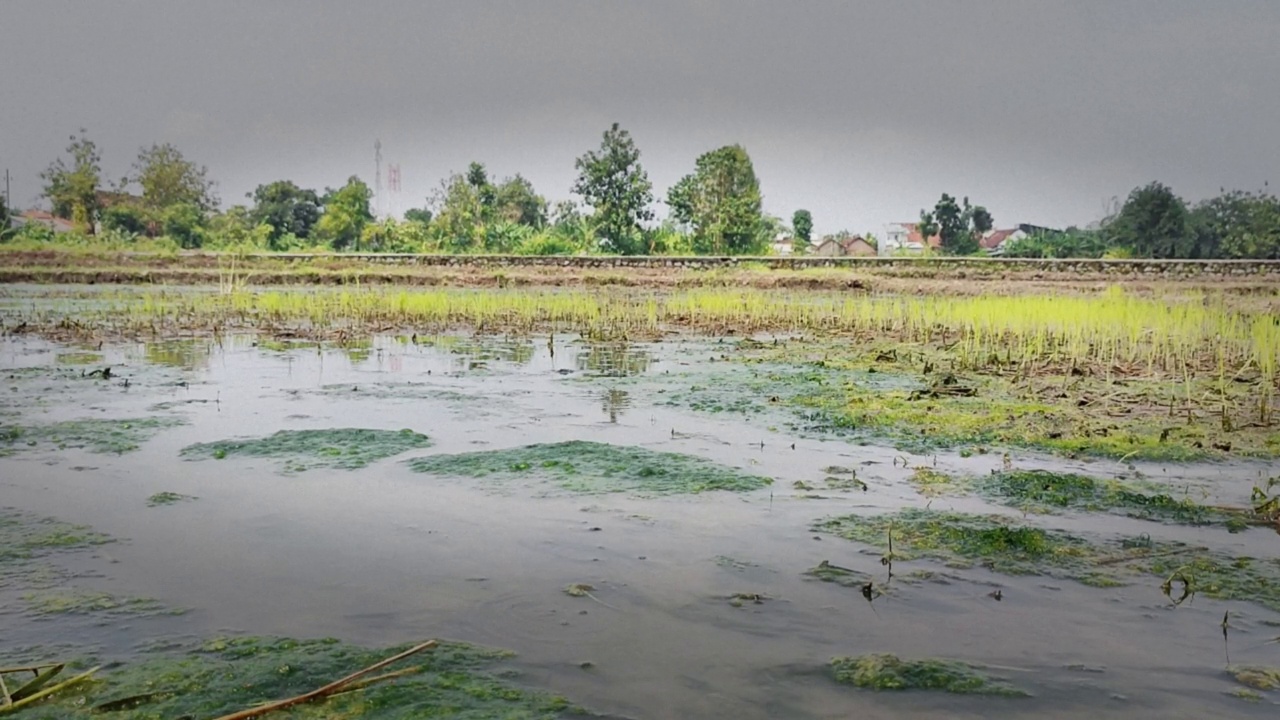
(346, 212)
(958, 226)
(612, 181)
(721, 201)
(802, 224)
(71, 184)
(167, 179)
(286, 208)
(1153, 223)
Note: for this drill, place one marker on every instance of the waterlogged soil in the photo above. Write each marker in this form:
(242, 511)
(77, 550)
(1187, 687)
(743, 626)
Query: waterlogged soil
(926, 397)
(588, 468)
(724, 603)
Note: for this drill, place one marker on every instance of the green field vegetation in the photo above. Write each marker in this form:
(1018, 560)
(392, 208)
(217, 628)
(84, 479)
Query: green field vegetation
(888, 672)
(591, 468)
(228, 675)
(95, 435)
(923, 396)
(1003, 545)
(301, 450)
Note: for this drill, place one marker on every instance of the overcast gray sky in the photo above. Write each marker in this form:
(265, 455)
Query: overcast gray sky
(862, 111)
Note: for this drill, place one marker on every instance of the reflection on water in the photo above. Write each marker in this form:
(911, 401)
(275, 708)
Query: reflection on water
(191, 354)
(614, 402)
(614, 359)
(476, 351)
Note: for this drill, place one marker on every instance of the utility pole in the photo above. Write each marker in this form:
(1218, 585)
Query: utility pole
(377, 178)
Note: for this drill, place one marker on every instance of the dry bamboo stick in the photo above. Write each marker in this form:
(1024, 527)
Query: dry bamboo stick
(327, 689)
(47, 691)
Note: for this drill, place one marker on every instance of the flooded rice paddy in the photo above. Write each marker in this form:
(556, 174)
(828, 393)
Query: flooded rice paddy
(646, 543)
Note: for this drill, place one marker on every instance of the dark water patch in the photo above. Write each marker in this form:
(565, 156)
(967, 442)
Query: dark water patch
(888, 672)
(224, 676)
(592, 468)
(301, 450)
(95, 435)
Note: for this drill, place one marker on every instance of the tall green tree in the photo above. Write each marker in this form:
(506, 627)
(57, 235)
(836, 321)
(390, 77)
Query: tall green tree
(516, 201)
(958, 226)
(286, 208)
(614, 183)
(6, 220)
(167, 179)
(421, 216)
(458, 224)
(1237, 224)
(71, 184)
(721, 201)
(346, 212)
(1153, 223)
(802, 225)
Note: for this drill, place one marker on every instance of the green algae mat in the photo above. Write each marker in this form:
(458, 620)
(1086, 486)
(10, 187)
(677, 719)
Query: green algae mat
(1043, 491)
(95, 435)
(889, 672)
(225, 676)
(594, 468)
(1003, 545)
(301, 450)
(31, 584)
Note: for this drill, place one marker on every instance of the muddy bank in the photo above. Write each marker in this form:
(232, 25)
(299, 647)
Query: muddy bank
(954, 275)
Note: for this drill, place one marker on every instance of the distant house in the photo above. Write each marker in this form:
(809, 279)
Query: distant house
(40, 217)
(844, 246)
(783, 246)
(906, 237)
(995, 241)
(859, 247)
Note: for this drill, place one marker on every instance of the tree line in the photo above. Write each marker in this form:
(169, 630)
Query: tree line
(715, 209)
(1154, 222)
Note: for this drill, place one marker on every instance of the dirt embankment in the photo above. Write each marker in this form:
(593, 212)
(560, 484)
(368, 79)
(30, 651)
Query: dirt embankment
(952, 275)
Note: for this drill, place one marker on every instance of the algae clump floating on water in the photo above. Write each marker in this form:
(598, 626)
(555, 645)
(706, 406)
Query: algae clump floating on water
(451, 680)
(888, 672)
(95, 435)
(1043, 491)
(589, 468)
(999, 544)
(299, 450)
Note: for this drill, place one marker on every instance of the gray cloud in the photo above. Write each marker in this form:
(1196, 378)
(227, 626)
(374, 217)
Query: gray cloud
(861, 111)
